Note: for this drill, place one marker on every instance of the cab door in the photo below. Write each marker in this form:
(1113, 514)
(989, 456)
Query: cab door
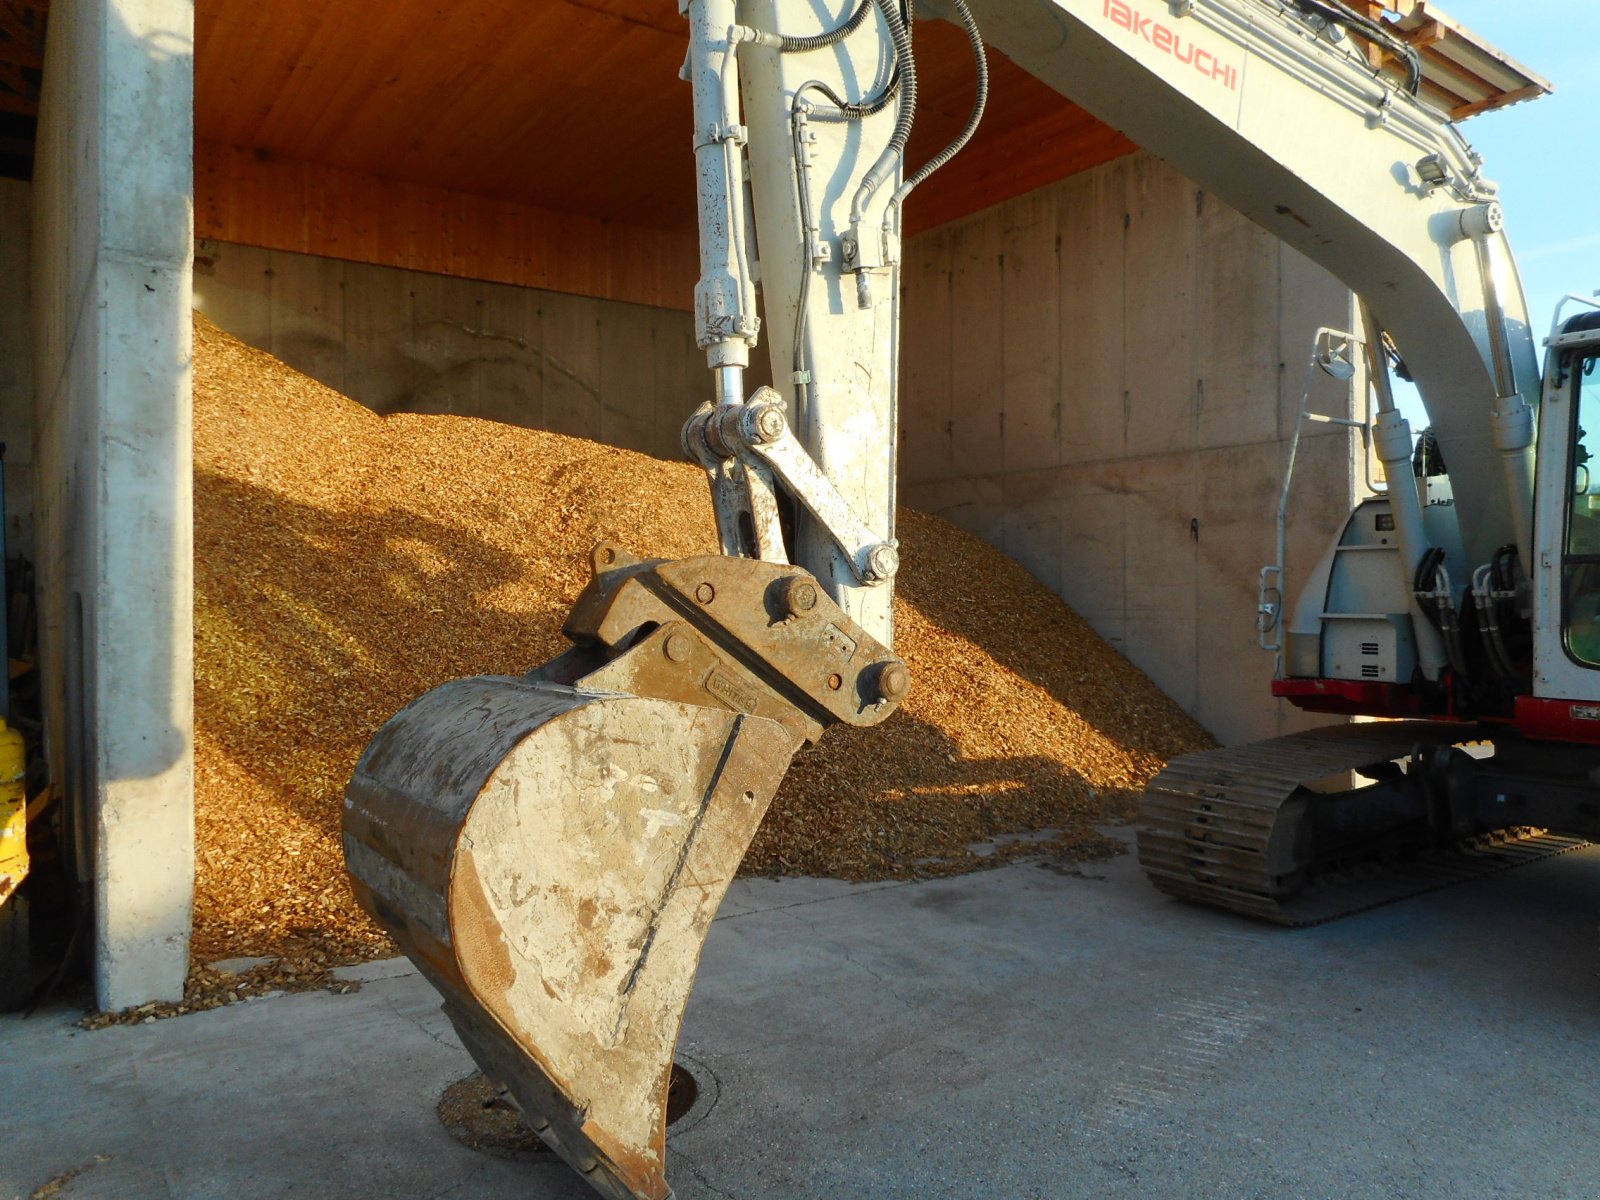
(1567, 527)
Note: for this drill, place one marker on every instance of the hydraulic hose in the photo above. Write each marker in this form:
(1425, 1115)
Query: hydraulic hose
(1337, 10)
(1431, 586)
(900, 35)
(976, 115)
(821, 41)
(1489, 623)
(843, 110)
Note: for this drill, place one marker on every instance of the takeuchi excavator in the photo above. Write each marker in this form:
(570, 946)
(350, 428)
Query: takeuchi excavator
(550, 848)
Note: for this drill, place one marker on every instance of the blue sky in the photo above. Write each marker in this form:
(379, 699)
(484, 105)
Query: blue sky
(1545, 154)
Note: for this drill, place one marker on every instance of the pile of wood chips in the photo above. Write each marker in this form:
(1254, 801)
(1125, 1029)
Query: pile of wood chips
(345, 563)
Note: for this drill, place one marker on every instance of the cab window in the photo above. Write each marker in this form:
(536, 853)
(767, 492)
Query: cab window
(1581, 562)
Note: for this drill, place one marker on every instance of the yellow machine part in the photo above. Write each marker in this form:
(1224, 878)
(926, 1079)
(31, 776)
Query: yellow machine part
(13, 811)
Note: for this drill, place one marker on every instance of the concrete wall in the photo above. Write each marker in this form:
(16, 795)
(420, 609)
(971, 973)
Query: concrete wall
(111, 260)
(409, 341)
(16, 364)
(1100, 378)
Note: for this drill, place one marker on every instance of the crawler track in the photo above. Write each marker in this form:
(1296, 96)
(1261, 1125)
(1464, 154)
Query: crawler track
(1215, 827)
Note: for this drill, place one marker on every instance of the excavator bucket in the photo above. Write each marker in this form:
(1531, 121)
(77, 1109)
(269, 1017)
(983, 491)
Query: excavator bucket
(550, 850)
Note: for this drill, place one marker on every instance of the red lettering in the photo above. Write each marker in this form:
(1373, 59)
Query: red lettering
(1125, 16)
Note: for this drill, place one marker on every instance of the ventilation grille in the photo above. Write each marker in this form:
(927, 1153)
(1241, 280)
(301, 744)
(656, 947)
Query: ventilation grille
(1370, 650)
(1371, 671)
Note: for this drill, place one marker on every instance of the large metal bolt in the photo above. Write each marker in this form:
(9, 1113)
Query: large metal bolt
(796, 595)
(705, 593)
(883, 560)
(678, 646)
(765, 424)
(893, 681)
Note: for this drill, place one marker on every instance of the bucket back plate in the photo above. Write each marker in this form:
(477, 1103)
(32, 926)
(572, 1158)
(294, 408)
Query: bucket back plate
(552, 857)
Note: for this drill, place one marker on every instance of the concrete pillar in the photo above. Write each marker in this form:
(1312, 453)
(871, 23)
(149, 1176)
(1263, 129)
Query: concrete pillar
(112, 243)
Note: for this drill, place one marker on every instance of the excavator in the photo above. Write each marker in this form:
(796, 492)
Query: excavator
(550, 848)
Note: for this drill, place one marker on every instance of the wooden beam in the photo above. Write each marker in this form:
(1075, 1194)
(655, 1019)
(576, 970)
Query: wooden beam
(18, 43)
(13, 80)
(1529, 92)
(260, 199)
(27, 106)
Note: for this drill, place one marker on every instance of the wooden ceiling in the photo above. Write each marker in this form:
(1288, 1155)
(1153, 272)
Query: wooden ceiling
(573, 106)
(22, 24)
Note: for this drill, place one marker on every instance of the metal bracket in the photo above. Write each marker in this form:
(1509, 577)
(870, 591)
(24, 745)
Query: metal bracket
(710, 135)
(742, 495)
(1269, 606)
(757, 434)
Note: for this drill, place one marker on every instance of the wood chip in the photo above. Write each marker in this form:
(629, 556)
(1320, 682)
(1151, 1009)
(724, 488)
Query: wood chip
(345, 563)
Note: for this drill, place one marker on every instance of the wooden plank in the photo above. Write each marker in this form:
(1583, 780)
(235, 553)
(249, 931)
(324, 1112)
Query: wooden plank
(13, 77)
(1531, 92)
(282, 204)
(18, 43)
(571, 107)
(503, 100)
(27, 106)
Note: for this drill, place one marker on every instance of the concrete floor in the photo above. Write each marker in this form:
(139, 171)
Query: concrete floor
(1025, 1032)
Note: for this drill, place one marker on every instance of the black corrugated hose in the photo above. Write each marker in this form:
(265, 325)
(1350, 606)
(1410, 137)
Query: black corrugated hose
(900, 35)
(1336, 10)
(978, 103)
(821, 41)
